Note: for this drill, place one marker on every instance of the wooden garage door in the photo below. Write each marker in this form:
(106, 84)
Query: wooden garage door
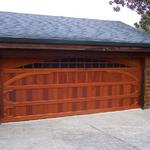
(50, 89)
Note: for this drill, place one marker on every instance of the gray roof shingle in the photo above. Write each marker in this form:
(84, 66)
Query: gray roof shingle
(40, 27)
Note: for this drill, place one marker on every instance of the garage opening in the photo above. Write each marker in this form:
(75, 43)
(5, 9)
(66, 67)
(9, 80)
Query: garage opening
(69, 86)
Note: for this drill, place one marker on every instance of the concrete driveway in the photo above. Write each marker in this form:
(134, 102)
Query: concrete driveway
(121, 130)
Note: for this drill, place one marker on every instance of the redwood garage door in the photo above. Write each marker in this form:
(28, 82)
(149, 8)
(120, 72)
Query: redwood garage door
(69, 87)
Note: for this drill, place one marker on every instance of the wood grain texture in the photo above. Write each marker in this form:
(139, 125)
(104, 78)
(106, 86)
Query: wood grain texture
(147, 83)
(76, 47)
(33, 93)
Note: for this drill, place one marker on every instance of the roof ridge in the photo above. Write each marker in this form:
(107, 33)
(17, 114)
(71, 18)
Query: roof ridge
(47, 15)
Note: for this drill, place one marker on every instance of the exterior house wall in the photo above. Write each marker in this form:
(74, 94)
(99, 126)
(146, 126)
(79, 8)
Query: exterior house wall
(147, 83)
(1, 100)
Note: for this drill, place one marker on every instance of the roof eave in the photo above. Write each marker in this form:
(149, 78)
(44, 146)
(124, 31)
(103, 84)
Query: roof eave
(72, 42)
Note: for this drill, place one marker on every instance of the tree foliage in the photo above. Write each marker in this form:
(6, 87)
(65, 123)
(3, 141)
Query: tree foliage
(142, 7)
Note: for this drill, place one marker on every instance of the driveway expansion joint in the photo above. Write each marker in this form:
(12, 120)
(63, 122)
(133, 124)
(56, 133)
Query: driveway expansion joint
(109, 135)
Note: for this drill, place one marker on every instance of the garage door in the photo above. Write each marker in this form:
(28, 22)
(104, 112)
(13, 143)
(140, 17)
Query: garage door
(68, 87)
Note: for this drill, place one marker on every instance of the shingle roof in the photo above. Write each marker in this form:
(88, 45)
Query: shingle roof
(57, 29)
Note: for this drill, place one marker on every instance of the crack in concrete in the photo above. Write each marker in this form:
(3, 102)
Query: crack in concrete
(107, 134)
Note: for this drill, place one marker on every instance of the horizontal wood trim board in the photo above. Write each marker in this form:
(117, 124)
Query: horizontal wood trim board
(45, 70)
(66, 85)
(44, 116)
(71, 100)
(68, 47)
